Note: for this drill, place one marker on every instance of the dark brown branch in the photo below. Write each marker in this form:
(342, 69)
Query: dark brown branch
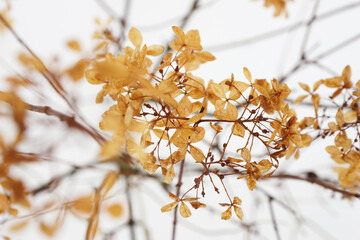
(69, 120)
(317, 181)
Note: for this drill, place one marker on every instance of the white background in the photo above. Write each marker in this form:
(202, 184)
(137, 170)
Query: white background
(46, 25)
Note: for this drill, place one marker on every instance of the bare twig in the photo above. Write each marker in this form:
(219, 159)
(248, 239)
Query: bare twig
(279, 31)
(69, 120)
(131, 221)
(49, 76)
(317, 181)
(273, 219)
(123, 22)
(308, 30)
(178, 186)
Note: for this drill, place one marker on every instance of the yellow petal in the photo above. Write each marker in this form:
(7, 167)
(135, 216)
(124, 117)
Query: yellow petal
(227, 214)
(237, 200)
(197, 153)
(305, 87)
(247, 74)
(169, 207)
(179, 33)
(350, 116)
(245, 153)
(251, 182)
(74, 45)
(184, 210)
(115, 210)
(155, 50)
(239, 213)
(170, 174)
(300, 98)
(135, 37)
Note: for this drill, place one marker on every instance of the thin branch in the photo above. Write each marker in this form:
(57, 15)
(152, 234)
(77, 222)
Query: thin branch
(315, 180)
(308, 30)
(131, 221)
(178, 186)
(273, 219)
(337, 47)
(123, 23)
(279, 31)
(69, 120)
(48, 75)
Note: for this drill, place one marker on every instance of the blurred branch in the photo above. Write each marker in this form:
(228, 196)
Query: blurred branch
(69, 120)
(49, 76)
(178, 186)
(273, 219)
(312, 178)
(123, 22)
(131, 221)
(279, 31)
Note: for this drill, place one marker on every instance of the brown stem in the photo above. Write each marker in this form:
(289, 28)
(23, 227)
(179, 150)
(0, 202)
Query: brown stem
(317, 181)
(69, 120)
(178, 186)
(276, 32)
(131, 221)
(273, 219)
(49, 76)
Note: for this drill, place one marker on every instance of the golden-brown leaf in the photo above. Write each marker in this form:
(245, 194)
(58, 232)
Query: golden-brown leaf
(238, 129)
(226, 214)
(115, 210)
(247, 74)
(251, 182)
(170, 174)
(239, 213)
(83, 204)
(173, 196)
(197, 153)
(184, 210)
(169, 207)
(350, 116)
(316, 100)
(179, 33)
(4, 203)
(155, 50)
(333, 82)
(300, 98)
(18, 226)
(237, 200)
(48, 230)
(196, 204)
(305, 87)
(74, 45)
(340, 118)
(245, 153)
(135, 37)
(229, 112)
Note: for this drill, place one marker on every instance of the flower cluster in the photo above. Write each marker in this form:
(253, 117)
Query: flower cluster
(162, 115)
